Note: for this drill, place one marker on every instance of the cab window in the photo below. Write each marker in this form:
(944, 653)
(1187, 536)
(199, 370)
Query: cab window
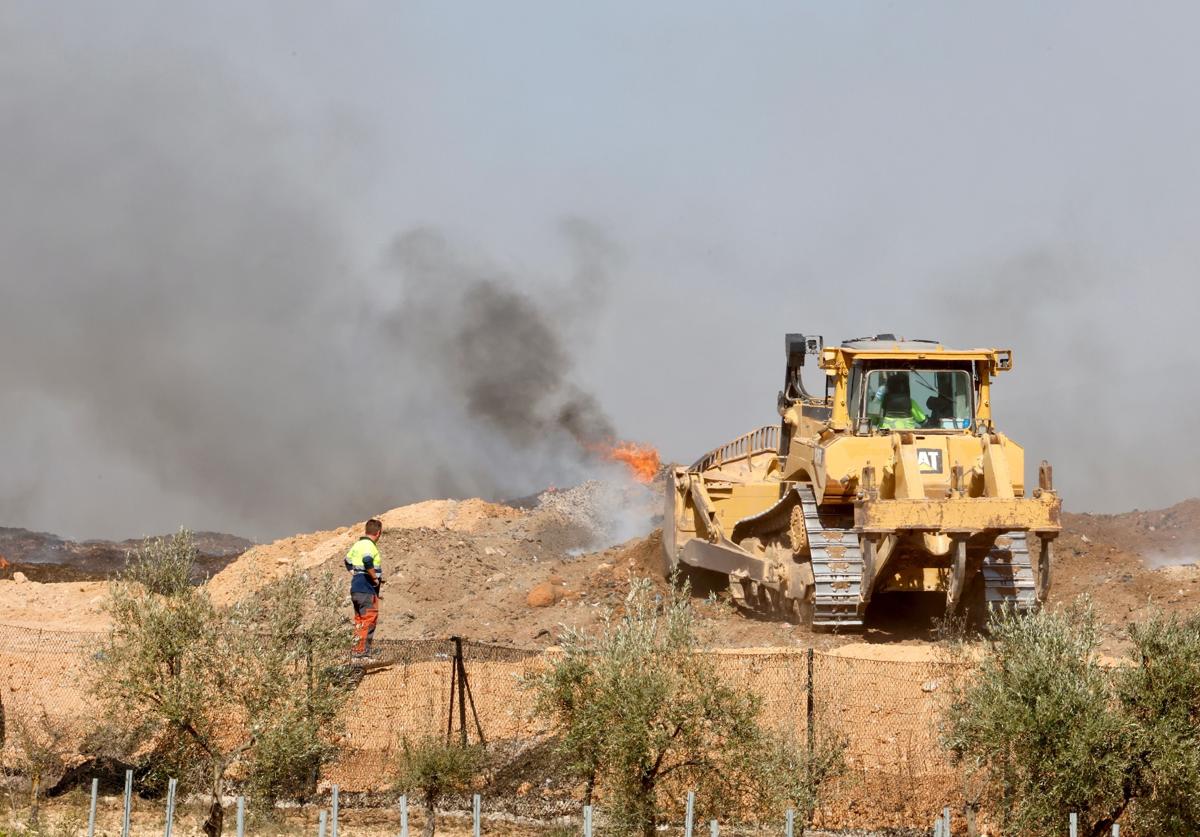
(910, 399)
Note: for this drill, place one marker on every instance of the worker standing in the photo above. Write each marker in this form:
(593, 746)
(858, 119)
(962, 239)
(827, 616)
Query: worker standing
(367, 577)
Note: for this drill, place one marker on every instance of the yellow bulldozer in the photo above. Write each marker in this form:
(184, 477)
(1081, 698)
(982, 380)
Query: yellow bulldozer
(894, 480)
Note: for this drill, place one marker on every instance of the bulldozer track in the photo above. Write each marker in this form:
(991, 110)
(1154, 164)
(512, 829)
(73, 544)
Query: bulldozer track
(836, 564)
(835, 551)
(1008, 580)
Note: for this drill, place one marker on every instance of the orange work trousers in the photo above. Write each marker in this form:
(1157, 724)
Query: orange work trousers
(366, 615)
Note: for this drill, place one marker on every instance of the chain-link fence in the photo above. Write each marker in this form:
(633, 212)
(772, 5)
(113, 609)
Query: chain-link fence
(415, 689)
(44, 678)
(885, 711)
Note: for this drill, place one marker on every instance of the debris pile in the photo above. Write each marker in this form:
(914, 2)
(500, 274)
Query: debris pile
(611, 512)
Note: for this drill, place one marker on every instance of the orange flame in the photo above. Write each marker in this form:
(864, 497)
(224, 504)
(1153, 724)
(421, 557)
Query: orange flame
(642, 460)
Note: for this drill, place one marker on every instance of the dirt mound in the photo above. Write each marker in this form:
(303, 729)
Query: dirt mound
(1162, 537)
(1130, 565)
(468, 567)
(261, 564)
(75, 606)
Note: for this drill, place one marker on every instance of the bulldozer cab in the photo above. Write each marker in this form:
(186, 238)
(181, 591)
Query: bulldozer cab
(880, 384)
(911, 396)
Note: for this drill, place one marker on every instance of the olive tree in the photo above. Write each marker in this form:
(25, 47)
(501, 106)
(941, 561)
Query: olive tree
(637, 708)
(1036, 718)
(1160, 697)
(431, 767)
(1054, 731)
(38, 749)
(203, 688)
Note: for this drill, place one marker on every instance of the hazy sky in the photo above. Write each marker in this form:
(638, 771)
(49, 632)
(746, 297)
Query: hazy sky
(225, 230)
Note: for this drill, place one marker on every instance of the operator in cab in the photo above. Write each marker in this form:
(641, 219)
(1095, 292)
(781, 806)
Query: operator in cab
(895, 407)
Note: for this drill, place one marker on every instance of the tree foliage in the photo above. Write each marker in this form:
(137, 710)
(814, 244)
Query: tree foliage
(1054, 731)
(431, 767)
(639, 709)
(37, 749)
(1160, 697)
(257, 685)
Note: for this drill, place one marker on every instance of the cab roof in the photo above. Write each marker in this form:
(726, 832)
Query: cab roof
(889, 346)
(889, 342)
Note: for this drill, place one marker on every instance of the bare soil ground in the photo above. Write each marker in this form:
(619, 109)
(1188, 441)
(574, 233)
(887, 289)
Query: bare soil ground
(1129, 565)
(520, 574)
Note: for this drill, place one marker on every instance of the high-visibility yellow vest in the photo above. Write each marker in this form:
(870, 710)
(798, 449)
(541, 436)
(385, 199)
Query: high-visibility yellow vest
(910, 422)
(363, 548)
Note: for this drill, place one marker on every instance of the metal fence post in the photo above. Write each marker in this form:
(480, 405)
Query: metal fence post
(946, 817)
(810, 710)
(167, 828)
(241, 817)
(789, 824)
(333, 814)
(937, 827)
(462, 691)
(1074, 824)
(587, 821)
(1116, 829)
(475, 806)
(404, 816)
(128, 803)
(92, 809)
(691, 809)
(714, 830)
(321, 824)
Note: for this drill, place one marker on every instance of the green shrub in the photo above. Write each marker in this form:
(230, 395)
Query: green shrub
(203, 689)
(1052, 731)
(637, 707)
(37, 749)
(1160, 697)
(430, 767)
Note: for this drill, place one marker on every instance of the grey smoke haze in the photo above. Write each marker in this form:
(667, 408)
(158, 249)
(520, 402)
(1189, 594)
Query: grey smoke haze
(264, 269)
(186, 336)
